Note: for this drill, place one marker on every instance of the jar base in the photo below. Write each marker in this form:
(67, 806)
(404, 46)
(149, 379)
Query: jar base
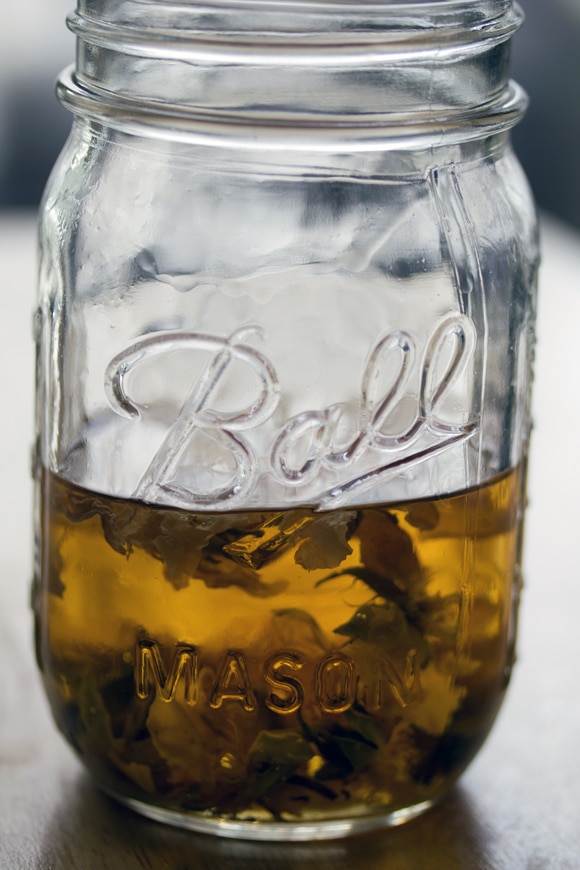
(291, 831)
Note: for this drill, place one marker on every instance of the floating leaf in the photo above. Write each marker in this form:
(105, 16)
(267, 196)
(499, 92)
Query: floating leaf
(389, 565)
(374, 623)
(386, 627)
(189, 546)
(386, 551)
(273, 758)
(326, 543)
(347, 749)
(423, 515)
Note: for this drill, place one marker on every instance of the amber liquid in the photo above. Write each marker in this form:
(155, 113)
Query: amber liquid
(279, 665)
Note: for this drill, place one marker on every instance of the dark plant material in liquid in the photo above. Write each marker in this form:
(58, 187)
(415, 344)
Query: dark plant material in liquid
(289, 665)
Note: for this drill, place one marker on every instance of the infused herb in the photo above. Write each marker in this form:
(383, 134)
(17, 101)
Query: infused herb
(286, 665)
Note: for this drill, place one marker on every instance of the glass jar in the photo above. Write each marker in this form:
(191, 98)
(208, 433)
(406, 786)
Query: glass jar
(285, 335)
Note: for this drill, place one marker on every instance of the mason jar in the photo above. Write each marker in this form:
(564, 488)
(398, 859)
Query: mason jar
(284, 337)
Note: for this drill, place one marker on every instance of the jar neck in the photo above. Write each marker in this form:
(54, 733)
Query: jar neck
(404, 68)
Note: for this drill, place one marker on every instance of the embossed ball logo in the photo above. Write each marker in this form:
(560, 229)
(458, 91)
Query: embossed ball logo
(396, 360)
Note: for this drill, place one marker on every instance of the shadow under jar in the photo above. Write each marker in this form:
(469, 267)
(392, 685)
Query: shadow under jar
(285, 333)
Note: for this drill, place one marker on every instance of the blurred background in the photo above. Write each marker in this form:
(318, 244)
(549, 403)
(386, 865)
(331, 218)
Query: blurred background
(35, 44)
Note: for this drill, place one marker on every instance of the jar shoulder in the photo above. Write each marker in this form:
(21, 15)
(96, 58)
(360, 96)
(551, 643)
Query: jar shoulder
(125, 191)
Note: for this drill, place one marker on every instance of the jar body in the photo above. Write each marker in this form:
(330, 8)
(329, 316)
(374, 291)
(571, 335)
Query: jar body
(283, 417)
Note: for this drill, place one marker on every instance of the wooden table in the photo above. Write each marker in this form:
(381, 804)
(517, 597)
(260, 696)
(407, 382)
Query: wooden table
(518, 806)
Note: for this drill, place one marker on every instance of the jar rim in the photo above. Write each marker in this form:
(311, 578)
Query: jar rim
(391, 21)
(390, 64)
(382, 133)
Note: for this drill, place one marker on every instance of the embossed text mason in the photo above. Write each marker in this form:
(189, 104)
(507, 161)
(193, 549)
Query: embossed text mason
(285, 335)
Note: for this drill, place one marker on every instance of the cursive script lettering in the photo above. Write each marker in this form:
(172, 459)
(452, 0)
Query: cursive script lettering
(402, 401)
(395, 353)
(196, 413)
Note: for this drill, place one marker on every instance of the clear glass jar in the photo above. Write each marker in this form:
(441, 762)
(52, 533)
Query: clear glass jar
(285, 335)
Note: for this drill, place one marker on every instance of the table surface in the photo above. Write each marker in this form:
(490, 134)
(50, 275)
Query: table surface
(517, 806)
